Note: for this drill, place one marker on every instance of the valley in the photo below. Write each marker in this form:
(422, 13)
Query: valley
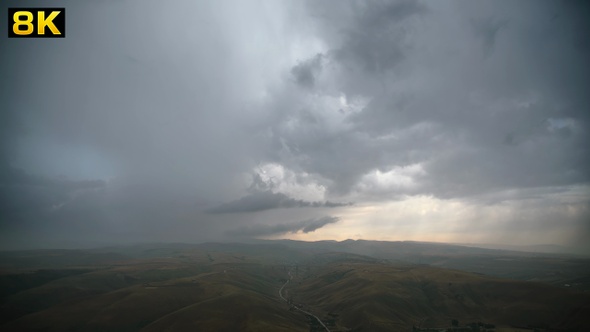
(277, 286)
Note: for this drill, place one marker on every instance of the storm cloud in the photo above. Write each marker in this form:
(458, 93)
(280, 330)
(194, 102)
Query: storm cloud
(250, 113)
(267, 200)
(304, 226)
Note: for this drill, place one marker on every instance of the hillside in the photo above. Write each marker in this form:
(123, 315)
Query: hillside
(563, 270)
(385, 297)
(235, 287)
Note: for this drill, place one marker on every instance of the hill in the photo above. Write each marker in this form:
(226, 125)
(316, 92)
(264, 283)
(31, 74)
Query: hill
(385, 297)
(235, 287)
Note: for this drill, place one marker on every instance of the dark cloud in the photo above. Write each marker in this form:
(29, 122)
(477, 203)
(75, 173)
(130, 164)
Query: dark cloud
(305, 72)
(487, 29)
(476, 124)
(10, 176)
(365, 40)
(364, 101)
(374, 36)
(25, 198)
(304, 226)
(267, 200)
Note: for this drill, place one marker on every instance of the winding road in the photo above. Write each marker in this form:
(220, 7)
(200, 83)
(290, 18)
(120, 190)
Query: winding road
(303, 311)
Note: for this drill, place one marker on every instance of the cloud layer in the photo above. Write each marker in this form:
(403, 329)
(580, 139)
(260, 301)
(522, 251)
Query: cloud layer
(304, 226)
(267, 200)
(265, 111)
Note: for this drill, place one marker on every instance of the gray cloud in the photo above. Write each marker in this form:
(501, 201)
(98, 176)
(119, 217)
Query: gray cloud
(10, 176)
(487, 29)
(25, 198)
(267, 200)
(305, 226)
(364, 101)
(477, 124)
(305, 72)
(374, 35)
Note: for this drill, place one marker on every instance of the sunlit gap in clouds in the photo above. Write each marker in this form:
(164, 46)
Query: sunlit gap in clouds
(426, 218)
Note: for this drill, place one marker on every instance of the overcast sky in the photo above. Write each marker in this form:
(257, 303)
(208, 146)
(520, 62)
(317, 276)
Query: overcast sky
(450, 121)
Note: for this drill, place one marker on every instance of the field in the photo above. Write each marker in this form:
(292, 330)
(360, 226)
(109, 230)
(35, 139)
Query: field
(235, 287)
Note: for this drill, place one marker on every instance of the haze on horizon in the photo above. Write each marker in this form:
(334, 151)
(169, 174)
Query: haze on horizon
(448, 121)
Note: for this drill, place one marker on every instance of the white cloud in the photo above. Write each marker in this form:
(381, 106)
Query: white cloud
(397, 181)
(297, 185)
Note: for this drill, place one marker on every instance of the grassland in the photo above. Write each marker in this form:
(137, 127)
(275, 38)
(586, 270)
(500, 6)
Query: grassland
(234, 287)
(385, 297)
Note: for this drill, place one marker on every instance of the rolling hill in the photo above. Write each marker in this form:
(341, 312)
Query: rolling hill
(234, 287)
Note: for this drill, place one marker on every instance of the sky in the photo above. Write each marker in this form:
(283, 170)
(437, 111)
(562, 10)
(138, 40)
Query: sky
(194, 121)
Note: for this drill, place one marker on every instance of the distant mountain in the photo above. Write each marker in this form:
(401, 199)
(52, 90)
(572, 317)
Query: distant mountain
(539, 248)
